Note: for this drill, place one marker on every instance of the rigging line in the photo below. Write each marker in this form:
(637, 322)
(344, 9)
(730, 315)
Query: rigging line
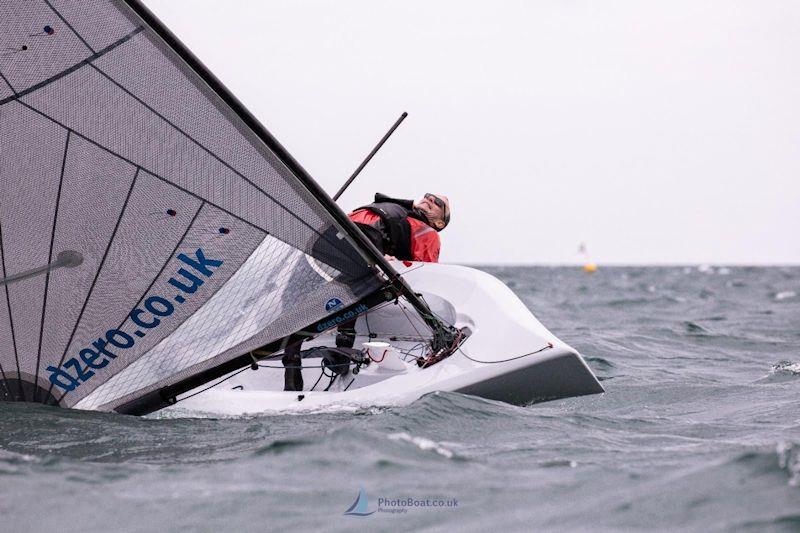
(402, 308)
(283, 367)
(540, 350)
(70, 70)
(317, 382)
(152, 283)
(59, 15)
(214, 385)
(50, 260)
(10, 318)
(215, 156)
(165, 180)
(96, 276)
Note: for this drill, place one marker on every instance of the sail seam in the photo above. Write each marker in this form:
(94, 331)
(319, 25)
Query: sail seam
(13, 90)
(70, 70)
(49, 260)
(2, 370)
(155, 279)
(59, 15)
(11, 318)
(97, 275)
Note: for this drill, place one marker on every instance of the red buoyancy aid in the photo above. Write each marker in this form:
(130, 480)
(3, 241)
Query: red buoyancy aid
(423, 243)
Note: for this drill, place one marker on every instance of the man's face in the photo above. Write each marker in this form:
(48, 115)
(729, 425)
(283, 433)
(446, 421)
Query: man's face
(434, 206)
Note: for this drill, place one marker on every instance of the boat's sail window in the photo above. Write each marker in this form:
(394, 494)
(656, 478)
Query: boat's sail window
(146, 233)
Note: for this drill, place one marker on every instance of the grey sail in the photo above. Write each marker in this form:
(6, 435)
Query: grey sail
(199, 239)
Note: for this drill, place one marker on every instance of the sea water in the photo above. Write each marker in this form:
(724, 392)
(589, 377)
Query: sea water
(699, 430)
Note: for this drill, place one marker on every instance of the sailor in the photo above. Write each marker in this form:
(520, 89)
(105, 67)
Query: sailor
(407, 230)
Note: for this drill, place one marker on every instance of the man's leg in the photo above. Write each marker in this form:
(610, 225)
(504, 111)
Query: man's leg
(293, 371)
(346, 334)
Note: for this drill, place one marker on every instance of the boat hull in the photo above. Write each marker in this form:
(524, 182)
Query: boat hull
(508, 355)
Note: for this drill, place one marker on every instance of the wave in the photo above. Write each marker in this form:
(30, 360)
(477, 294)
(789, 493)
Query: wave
(281, 446)
(784, 459)
(789, 522)
(599, 363)
(14, 463)
(789, 460)
(693, 328)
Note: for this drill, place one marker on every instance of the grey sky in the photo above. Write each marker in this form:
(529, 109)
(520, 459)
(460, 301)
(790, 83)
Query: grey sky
(657, 132)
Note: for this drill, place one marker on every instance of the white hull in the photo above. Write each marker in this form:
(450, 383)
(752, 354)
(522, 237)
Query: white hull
(509, 356)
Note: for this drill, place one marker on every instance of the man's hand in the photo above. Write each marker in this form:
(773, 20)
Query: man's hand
(389, 257)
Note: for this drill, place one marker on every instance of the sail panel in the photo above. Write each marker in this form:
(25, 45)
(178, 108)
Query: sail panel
(26, 219)
(198, 240)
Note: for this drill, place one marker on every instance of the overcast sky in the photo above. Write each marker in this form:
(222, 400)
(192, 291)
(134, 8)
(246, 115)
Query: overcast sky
(656, 132)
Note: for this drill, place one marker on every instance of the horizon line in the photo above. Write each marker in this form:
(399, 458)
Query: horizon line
(624, 264)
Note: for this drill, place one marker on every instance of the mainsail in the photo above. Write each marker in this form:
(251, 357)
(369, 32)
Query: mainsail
(152, 233)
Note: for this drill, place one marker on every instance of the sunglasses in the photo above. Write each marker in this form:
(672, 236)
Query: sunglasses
(438, 202)
(435, 199)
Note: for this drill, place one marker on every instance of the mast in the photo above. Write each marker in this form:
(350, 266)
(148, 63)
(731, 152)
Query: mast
(374, 151)
(443, 333)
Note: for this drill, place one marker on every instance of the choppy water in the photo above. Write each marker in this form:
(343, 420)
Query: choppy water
(699, 430)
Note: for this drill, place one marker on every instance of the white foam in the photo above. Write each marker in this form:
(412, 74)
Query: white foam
(786, 367)
(422, 444)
